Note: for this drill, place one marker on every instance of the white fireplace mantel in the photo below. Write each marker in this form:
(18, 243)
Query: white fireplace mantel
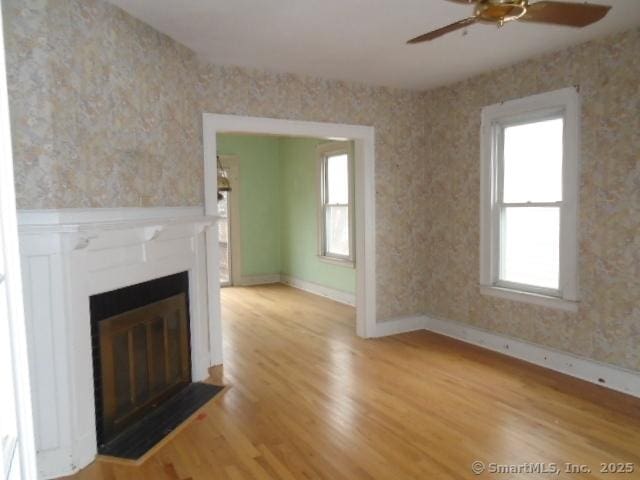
(69, 255)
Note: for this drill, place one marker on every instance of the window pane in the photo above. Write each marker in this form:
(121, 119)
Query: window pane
(337, 230)
(223, 205)
(531, 246)
(223, 238)
(338, 179)
(533, 162)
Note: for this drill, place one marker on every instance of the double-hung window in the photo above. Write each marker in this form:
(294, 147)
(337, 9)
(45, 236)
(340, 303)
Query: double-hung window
(529, 199)
(335, 222)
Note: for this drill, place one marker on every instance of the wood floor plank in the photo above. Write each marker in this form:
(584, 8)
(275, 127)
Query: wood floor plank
(307, 399)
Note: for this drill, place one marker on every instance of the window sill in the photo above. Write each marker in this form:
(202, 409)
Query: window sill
(528, 297)
(340, 262)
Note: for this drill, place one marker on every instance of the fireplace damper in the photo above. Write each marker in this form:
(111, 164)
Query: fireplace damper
(141, 350)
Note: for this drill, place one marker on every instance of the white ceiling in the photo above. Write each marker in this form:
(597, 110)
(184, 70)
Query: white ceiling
(360, 40)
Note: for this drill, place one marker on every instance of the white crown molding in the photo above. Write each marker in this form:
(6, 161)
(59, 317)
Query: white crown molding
(336, 295)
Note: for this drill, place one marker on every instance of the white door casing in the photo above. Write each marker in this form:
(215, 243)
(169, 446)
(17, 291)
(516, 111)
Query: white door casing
(364, 140)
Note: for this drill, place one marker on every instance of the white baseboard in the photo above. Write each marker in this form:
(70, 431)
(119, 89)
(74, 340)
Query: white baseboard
(609, 376)
(400, 325)
(249, 280)
(336, 295)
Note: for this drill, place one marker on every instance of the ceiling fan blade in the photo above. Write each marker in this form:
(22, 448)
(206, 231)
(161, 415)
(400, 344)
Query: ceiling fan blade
(444, 30)
(564, 13)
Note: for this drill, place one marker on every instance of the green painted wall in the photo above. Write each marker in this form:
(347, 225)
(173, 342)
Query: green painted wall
(278, 204)
(259, 200)
(299, 219)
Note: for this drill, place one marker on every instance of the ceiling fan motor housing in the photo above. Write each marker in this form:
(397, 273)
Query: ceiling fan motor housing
(500, 11)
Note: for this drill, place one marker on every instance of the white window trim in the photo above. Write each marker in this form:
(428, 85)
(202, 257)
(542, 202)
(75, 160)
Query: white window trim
(325, 150)
(565, 103)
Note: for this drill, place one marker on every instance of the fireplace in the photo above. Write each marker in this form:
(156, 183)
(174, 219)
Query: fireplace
(70, 258)
(141, 352)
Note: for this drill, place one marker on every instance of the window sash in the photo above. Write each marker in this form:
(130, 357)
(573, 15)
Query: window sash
(326, 152)
(563, 103)
(328, 252)
(500, 236)
(499, 205)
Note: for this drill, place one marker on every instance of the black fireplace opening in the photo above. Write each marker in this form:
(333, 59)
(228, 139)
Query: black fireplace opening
(141, 351)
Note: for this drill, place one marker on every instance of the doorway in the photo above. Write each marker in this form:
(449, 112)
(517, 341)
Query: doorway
(364, 160)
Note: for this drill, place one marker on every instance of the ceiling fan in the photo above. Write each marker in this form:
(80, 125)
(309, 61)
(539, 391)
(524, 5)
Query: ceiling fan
(502, 11)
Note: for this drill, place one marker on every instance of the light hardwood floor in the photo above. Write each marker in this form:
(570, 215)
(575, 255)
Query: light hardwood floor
(310, 400)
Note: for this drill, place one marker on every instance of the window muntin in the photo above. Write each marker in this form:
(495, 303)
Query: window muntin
(337, 231)
(336, 205)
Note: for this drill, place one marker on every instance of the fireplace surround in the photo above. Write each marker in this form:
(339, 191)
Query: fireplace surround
(69, 256)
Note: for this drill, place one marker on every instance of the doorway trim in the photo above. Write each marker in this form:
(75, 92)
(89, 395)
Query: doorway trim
(365, 198)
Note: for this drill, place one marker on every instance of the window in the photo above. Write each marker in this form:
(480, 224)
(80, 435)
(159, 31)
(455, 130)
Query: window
(336, 203)
(529, 199)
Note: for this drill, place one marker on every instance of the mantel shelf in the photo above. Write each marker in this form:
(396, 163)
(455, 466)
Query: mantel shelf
(96, 220)
(96, 227)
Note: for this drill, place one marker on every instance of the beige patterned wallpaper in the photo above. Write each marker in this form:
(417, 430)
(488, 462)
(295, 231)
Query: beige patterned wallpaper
(607, 325)
(106, 112)
(104, 108)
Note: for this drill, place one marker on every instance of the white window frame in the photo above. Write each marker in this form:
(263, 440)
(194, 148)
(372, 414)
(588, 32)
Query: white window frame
(325, 151)
(565, 104)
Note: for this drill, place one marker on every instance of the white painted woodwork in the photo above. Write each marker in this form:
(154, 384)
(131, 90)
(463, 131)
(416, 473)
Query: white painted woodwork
(605, 375)
(365, 202)
(69, 255)
(17, 444)
(565, 102)
(341, 296)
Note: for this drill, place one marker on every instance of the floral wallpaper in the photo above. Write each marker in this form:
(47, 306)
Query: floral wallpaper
(607, 325)
(104, 108)
(107, 112)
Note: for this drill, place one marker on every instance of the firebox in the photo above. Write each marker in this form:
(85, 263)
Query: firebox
(141, 350)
